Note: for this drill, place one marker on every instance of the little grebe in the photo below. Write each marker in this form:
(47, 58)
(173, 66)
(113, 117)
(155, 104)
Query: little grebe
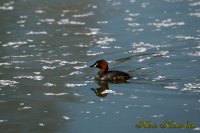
(105, 75)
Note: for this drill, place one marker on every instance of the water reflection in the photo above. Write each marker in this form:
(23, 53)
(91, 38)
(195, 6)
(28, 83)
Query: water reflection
(102, 90)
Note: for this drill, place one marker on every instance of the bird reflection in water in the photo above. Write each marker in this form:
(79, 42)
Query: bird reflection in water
(101, 91)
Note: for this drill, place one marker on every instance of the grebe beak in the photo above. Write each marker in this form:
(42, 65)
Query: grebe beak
(94, 65)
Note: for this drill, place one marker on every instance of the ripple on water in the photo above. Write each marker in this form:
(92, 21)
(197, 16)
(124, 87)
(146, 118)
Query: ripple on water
(8, 83)
(92, 53)
(58, 62)
(29, 77)
(36, 33)
(76, 73)
(48, 20)
(55, 94)
(68, 22)
(159, 54)
(141, 47)
(2, 121)
(39, 11)
(66, 117)
(24, 108)
(15, 44)
(5, 64)
(49, 84)
(194, 87)
(197, 53)
(83, 15)
(166, 23)
(196, 14)
(183, 37)
(111, 92)
(7, 6)
(102, 22)
(197, 129)
(74, 85)
(105, 41)
(80, 67)
(171, 86)
(157, 116)
(48, 67)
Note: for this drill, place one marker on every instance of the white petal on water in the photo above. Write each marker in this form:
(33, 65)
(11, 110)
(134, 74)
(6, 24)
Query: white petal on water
(128, 106)
(7, 6)
(183, 37)
(37, 73)
(168, 63)
(48, 67)
(108, 91)
(83, 15)
(80, 67)
(74, 85)
(102, 22)
(159, 78)
(14, 44)
(8, 83)
(157, 116)
(134, 24)
(3, 101)
(195, 3)
(49, 84)
(103, 113)
(87, 112)
(5, 64)
(197, 53)
(104, 47)
(21, 104)
(67, 21)
(146, 106)
(191, 86)
(1, 121)
(171, 87)
(66, 118)
(111, 92)
(166, 23)
(105, 40)
(39, 11)
(36, 33)
(196, 128)
(30, 77)
(25, 108)
(76, 94)
(90, 102)
(90, 53)
(133, 97)
(138, 50)
(197, 14)
(117, 47)
(55, 94)
(41, 124)
(76, 72)
(96, 116)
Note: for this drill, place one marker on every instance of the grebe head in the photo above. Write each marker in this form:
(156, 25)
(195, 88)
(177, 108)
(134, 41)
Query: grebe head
(101, 64)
